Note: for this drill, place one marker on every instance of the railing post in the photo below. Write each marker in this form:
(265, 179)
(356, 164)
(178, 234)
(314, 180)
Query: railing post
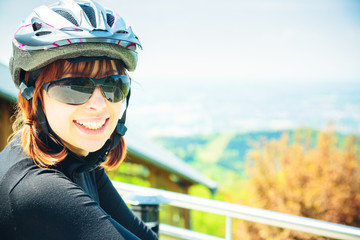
(228, 228)
(146, 207)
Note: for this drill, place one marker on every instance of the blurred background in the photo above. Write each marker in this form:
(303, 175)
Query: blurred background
(261, 96)
(223, 66)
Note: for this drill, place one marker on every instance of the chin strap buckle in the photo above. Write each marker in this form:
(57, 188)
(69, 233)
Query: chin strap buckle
(121, 129)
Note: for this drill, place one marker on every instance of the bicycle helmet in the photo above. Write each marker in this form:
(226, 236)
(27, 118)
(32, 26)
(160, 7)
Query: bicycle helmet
(71, 29)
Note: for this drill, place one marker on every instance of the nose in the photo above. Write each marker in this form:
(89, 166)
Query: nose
(97, 101)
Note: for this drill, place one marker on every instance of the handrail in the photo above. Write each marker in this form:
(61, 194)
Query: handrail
(231, 210)
(182, 233)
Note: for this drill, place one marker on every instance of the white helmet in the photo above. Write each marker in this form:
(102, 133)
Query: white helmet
(71, 29)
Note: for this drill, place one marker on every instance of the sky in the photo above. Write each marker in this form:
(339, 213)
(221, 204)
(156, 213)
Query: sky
(257, 40)
(231, 42)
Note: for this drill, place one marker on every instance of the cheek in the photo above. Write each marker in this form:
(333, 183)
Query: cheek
(117, 108)
(56, 113)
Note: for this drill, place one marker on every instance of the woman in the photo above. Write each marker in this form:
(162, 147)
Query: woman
(69, 62)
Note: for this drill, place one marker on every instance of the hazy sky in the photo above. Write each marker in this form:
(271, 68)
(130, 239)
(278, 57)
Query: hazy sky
(262, 40)
(196, 49)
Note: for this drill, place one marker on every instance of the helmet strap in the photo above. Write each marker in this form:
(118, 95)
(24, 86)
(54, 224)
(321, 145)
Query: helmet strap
(27, 92)
(27, 89)
(33, 76)
(43, 121)
(120, 127)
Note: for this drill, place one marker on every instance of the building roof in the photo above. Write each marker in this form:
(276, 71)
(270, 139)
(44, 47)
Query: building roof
(155, 154)
(143, 148)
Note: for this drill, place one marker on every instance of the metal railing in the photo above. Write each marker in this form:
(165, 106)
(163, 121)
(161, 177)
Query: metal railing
(231, 211)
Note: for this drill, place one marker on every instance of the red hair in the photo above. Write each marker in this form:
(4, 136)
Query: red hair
(26, 120)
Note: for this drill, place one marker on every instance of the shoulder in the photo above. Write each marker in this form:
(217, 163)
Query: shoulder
(14, 165)
(41, 188)
(24, 187)
(44, 195)
(47, 198)
(22, 181)
(25, 183)
(17, 168)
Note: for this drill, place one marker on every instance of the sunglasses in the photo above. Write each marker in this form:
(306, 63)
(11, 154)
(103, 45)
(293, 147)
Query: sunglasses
(78, 90)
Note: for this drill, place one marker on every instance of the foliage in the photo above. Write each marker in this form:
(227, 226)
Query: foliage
(320, 181)
(306, 173)
(131, 173)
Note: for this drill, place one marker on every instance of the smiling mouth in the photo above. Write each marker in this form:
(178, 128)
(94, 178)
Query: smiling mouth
(92, 125)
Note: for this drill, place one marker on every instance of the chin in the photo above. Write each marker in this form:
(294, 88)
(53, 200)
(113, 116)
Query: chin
(92, 146)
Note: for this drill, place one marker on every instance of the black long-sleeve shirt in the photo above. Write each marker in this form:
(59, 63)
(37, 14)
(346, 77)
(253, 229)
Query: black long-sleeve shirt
(64, 202)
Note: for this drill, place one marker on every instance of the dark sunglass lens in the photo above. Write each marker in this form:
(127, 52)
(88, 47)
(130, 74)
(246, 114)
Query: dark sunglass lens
(72, 90)
(110, 93)
(116, 88)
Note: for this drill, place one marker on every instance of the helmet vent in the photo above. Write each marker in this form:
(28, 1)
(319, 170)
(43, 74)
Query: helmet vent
(90, 13)
(110, 19)
(42, 33)
(68, 16)
(36, 26)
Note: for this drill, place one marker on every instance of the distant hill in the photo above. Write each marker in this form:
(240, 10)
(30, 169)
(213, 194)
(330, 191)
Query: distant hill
(225, 152)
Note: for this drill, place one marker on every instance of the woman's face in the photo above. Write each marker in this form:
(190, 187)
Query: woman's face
(83, 128)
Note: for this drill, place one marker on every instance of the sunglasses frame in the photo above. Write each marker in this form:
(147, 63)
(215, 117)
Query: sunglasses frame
(95, 81)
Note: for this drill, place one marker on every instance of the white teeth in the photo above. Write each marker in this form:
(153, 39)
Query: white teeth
(91, 125)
